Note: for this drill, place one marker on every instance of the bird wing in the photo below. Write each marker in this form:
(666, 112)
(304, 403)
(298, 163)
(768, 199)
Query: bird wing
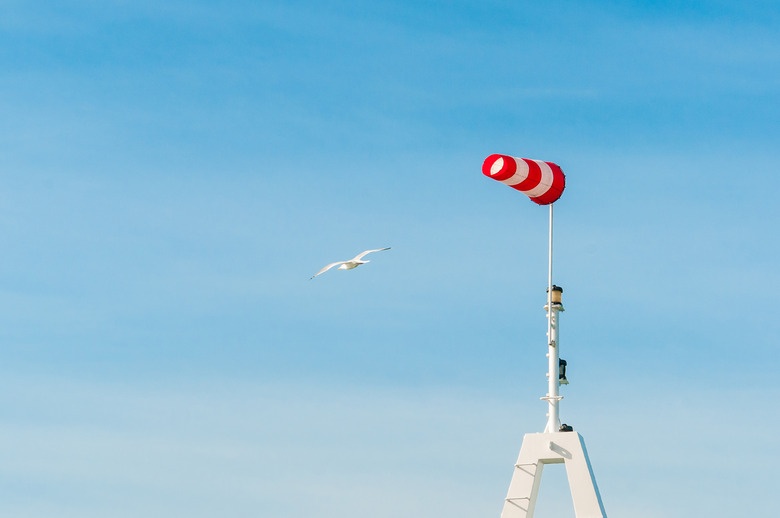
(331, 265)
(360, 256)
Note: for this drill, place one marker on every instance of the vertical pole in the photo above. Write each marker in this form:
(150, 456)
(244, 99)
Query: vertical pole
(549, 275)
(553, 383)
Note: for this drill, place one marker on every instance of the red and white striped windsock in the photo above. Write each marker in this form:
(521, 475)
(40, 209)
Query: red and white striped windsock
(543, 182)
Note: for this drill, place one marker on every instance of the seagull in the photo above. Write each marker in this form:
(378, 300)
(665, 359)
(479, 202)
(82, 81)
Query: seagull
(352, 263)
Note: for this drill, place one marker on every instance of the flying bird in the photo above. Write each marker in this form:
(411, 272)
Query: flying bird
(352, 263)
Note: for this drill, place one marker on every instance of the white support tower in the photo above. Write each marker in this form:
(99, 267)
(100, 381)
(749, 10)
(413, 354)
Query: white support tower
(557, 444)
(553, 448)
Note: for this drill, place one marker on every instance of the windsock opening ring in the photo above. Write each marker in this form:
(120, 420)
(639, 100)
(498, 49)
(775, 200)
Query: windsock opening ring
(541, 181)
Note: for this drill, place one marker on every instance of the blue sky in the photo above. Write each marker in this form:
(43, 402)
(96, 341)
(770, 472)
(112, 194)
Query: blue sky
(171, 175)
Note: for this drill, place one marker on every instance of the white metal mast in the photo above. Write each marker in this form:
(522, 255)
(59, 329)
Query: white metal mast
(553, 382)
(556, 445)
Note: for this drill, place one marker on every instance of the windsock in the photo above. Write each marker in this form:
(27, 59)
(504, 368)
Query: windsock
(543, 182)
